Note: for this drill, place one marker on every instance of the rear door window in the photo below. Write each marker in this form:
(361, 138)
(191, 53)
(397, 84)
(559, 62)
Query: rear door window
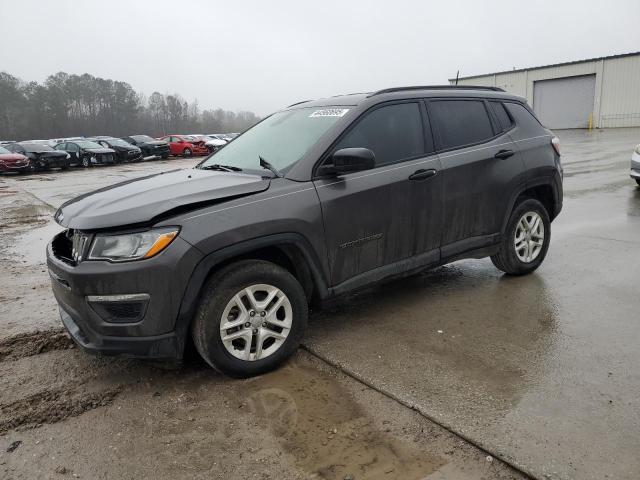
(460, 122)
(392, 132)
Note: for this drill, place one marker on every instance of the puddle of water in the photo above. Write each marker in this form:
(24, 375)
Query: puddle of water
(33, 227)
(327, 432)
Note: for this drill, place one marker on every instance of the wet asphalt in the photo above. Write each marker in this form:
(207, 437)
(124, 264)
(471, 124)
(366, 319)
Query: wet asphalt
(539, 370)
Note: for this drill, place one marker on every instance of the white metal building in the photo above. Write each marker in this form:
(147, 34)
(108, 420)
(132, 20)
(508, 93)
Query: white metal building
(603, 92)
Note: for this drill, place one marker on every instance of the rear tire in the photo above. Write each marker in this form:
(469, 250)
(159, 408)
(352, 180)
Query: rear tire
(526, 239)
(259, 342)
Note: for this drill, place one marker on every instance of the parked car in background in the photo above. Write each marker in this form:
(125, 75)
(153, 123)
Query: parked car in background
(42, 157)
(14, 162)
(125, 152)
(215, 142)
(150, 147)
(635, 164)
(185, 145)
(87, 153)
(218, 136)
(212, 145)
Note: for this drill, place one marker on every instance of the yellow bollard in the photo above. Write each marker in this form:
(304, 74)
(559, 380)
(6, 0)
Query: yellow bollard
(590, 121)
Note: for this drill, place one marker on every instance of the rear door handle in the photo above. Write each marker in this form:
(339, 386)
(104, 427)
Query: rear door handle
(422, 174)
(502, 154)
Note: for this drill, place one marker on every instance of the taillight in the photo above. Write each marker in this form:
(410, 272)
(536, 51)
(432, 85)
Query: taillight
(555, 143)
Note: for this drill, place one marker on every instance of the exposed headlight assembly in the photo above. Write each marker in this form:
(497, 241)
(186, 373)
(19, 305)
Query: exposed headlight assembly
(131, 246)
(637, 150)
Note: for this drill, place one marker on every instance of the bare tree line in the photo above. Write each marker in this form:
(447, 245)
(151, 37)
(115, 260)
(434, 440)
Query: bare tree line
(83, 105)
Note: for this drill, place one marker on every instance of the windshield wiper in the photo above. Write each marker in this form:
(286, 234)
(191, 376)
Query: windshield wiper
(267, 166)
(222, 168)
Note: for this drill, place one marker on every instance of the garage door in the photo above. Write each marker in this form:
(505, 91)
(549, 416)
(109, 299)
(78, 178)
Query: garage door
(564, 102)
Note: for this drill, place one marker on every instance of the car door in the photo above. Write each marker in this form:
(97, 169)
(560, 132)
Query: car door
(377, 218)
(479, 169)
(174, 146)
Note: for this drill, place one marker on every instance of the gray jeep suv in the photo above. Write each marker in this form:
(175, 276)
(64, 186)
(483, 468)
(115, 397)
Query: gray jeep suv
(316, 200)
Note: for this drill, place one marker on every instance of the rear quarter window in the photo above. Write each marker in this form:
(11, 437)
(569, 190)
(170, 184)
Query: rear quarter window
(460, 122)
(504, 120)
(523, 117)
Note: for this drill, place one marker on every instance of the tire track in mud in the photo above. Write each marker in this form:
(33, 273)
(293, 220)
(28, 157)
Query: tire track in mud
(34, 343)
(51, 406)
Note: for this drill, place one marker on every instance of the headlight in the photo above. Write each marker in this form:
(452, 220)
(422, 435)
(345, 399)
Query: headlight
(131, 246)
(637, 150)
(68, 156)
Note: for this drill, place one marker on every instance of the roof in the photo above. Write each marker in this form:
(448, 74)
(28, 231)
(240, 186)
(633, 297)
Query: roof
(403, 92)
(622, 55)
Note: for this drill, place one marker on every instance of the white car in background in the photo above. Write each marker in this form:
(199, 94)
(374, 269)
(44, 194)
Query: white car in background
(211, 143)
(635, 164)
(217, 140)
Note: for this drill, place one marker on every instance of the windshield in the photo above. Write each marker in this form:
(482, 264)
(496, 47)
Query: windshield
(281, 139)
(36, 147)
(86, 144)
(143, 138)
(4, 150)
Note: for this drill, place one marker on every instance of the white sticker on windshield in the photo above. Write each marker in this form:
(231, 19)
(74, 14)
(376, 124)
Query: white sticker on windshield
(329, 112)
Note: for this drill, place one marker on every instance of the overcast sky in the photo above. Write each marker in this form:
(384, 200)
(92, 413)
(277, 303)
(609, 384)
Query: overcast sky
(263, 55)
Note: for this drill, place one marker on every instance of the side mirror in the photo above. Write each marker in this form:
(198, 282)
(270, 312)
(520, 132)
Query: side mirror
(348, 160)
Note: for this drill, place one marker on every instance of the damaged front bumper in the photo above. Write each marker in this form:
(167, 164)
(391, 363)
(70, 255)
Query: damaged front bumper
(127, 308)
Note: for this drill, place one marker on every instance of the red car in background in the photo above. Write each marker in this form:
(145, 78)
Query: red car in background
(185, 145)
(14, 162)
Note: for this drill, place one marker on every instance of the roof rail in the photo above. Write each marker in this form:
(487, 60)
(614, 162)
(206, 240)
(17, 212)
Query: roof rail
(436, 87)
(298, 103)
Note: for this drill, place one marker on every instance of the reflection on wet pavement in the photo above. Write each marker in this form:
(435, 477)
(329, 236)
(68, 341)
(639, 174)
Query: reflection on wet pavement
(328, 433)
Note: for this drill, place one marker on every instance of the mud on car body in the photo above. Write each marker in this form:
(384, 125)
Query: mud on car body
(317, 200)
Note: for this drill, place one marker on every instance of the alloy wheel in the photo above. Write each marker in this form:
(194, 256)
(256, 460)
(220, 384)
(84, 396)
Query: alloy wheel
(529, 237)
(256, 322)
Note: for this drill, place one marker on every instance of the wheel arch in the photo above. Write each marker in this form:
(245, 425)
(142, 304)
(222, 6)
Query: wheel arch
(544, 190)
(291, 251)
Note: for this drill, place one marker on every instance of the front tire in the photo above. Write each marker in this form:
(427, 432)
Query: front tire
(187, 152)
(251, 318)
(86, 162)
(638, 181)
(526, 239)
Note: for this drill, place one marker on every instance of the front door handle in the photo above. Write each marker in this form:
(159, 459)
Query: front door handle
(502, 154)
(422, 174)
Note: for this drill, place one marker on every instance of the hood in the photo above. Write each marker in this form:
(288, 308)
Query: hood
(99, 150)
(144, 199)
(11, 157)
(215, 141)
(154, 143)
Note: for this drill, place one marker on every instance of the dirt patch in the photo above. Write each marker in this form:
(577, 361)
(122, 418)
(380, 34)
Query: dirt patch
(28, 344)
(51, 406)
(327, 431)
